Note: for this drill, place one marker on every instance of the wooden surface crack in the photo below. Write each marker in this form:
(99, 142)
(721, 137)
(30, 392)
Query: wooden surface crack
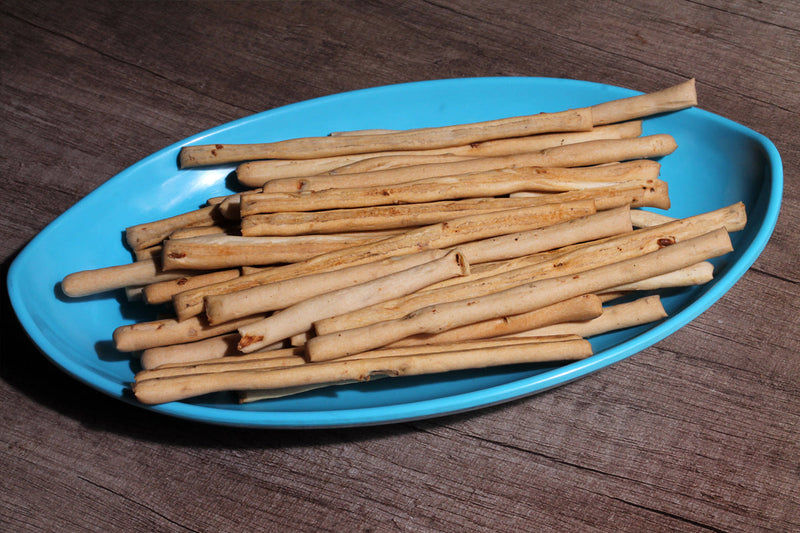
(551, 458)
(743, 15)
(683, 519)
(137, 503)
(775, 276)
(151, 72)
(451, 9)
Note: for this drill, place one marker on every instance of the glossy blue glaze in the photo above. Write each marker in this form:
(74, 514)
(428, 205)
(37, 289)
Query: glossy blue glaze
(718, 162)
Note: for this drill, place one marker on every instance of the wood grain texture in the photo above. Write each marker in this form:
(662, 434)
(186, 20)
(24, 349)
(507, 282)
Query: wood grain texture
(698, 433)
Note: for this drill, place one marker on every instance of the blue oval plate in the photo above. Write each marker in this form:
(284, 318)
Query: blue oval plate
(718, 162)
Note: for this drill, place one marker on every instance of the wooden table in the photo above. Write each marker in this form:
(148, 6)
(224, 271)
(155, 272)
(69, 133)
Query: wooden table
(697, 433)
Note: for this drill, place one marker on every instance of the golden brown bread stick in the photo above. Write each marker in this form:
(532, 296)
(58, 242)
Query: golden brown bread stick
(169, 389)
(424, 138)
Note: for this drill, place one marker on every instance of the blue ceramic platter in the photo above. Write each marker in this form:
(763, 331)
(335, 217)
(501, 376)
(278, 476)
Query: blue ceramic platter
(718, 162)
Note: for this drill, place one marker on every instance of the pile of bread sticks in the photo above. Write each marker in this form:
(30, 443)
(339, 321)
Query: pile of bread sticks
(378, 253)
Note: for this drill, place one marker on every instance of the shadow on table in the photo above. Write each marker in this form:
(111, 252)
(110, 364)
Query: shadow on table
(24, 368)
